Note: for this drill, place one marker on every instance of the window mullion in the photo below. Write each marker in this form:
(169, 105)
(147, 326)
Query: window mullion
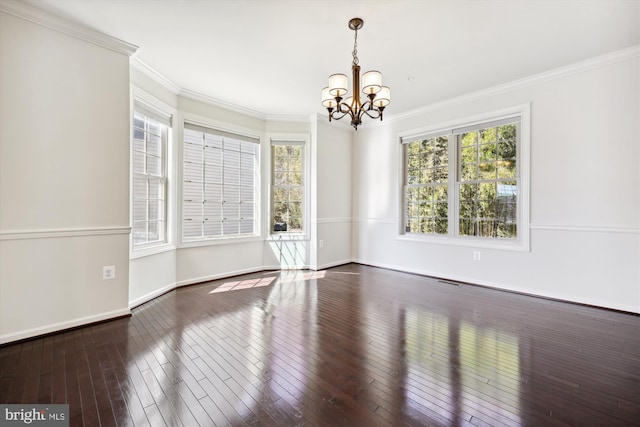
(202, 187)
(453, 187)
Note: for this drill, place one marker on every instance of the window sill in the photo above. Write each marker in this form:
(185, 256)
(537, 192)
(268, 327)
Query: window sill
(469, 242)
(142, 252)
(220, 241)
(287, 237)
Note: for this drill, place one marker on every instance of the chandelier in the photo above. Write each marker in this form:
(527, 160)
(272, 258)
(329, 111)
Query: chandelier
(377, 96)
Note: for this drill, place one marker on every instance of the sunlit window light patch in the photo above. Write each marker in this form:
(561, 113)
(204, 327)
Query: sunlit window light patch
(243, 284)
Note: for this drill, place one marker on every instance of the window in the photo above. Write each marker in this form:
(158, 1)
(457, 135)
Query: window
(488, 181)
(287, 186)
(427, 186)
(149, 172)
(219, 184)
(465, 182)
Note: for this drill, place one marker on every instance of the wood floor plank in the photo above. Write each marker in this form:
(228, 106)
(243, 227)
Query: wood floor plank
(348, 346)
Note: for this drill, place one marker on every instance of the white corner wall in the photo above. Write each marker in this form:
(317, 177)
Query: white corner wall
(333, 165)
(585, 189)
(64, 180)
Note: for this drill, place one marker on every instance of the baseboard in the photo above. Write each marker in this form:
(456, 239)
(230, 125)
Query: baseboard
(148, 297)
(333, 264)
(501, 287)
(61, 326)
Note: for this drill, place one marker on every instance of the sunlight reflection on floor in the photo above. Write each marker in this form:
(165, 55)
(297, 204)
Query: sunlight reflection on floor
(283, 278)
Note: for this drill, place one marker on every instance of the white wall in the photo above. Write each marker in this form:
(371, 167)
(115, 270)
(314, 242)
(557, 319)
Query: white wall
(333, 193)
(585, 189)
(64, 179)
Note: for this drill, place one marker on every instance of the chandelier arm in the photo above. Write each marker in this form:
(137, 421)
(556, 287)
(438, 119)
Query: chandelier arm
(334, 114)
(377, 113)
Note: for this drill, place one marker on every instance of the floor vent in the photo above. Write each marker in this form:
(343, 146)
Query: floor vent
(449, 282)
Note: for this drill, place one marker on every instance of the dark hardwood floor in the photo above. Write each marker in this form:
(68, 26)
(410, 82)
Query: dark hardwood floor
(349, 346)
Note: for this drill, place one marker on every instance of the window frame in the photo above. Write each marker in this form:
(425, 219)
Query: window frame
(150, 108)
(294, 138)
(522, 242)
(224, 128)
(273, 186)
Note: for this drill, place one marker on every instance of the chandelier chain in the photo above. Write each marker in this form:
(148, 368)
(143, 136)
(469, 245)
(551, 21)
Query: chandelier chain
(355, 48)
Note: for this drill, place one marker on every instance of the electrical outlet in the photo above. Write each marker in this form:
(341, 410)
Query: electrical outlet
(109, 272)
(476, 255)
(321, 243)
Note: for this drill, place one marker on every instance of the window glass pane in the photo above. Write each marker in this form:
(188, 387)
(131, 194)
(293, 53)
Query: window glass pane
(487, 152)
(231, 176)
(212, 228)
(138, 139)
(230, 227)
(212, 192)
(139, 187)
(138, 162)
(156, 189)
(139, 233)
(213, 175)
(231, 145)
(212, 140)
(295, 194)
(154, 145)
(154, 165)
(213, 156)
(153, 128)
(246, 226)
(193, 153)
(154, 231)
(156, 210)
(138, 120)
(192, 211)
(487, 135)
(469, 138)
(139, 210)
(193, 137)
(191, 229)
(192, 174)
(506, 168)
(246, 210)
(246, 194)
(487, 171)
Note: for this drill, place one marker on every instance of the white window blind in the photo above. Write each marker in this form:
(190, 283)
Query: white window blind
(150, 134)
(219, 184)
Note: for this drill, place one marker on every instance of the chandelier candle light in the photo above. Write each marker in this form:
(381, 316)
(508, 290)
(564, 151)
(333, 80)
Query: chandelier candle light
(378, 96)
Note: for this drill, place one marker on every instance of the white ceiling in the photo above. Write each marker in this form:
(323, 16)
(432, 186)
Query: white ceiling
(274, 56)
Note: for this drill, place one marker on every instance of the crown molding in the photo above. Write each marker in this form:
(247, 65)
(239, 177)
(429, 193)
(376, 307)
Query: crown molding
(154, 75)
(196, 96)
(578, 67)
(54, 22)
(286, 118)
